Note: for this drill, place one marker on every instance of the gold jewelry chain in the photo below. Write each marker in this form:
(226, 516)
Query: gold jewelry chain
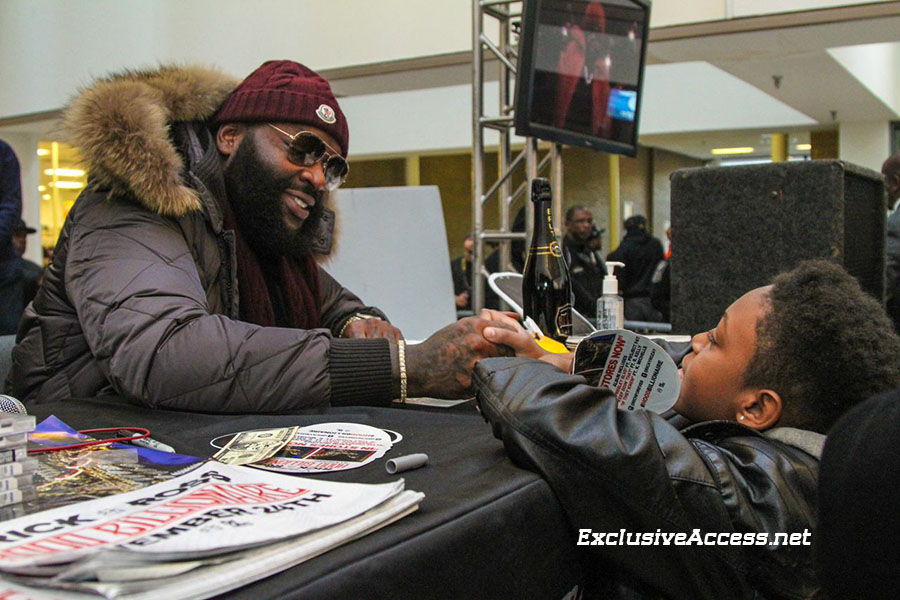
(401, 357)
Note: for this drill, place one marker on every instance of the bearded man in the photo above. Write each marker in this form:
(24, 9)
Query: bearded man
(186, 277)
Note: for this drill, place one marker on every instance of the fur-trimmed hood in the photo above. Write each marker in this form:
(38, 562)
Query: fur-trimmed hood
(120, 123)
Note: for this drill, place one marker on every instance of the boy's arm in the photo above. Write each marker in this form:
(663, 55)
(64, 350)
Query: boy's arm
(613, 470)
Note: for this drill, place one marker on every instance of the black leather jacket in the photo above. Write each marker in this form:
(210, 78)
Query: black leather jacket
(614, 470)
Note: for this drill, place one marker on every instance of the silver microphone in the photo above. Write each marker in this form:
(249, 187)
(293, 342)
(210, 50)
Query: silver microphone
(8, 404)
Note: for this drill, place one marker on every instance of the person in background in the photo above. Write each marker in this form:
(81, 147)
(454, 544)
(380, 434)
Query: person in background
(461, 270)
(186, 274)
(857, 545)
(585, 263)
(761, 388)
(661, 290)
(31, 272)
(640, 252)
(20, 232)
(518, 251)
(661, 283)
(595, 239)
(11, 293)
(891, 171)
(668, 253)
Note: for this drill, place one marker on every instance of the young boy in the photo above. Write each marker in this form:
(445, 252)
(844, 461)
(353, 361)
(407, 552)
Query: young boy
(782, 365)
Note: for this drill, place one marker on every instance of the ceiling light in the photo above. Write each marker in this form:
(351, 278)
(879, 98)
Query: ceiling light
(743, 150)
(43, 152)
(67, 185)
(46, 196)
(42, 188)
(803, 147)
(64, 172)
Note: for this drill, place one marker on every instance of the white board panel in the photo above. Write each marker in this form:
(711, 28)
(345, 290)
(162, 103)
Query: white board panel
(392, 253)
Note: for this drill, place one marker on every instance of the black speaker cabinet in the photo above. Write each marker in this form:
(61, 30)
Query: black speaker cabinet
(734, 228)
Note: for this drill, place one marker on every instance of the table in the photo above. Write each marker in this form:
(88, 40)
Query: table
(486, 528)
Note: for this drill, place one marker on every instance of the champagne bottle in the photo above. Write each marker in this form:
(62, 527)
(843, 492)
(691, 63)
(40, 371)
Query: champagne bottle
(546, 288)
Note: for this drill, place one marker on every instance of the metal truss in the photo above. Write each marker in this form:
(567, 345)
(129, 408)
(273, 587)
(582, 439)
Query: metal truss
(502, 53)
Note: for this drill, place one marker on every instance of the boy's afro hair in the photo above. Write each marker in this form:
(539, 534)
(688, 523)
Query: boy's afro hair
(824, 345)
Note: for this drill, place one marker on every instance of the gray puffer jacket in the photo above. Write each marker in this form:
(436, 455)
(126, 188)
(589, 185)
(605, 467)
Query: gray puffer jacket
(141, 299)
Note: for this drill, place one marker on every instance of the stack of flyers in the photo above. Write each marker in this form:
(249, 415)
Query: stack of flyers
(16, 469)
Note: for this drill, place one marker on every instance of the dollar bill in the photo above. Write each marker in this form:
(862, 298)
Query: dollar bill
(253, 446)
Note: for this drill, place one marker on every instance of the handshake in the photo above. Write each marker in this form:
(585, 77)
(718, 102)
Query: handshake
(442, 365)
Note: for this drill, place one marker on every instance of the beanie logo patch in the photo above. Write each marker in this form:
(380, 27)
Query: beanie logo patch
(326, 113)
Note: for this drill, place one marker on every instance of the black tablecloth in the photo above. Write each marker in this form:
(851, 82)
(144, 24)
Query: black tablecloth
(486, 528)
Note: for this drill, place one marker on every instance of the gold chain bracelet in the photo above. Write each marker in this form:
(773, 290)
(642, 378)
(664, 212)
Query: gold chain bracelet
(401, 358)
(356, 317)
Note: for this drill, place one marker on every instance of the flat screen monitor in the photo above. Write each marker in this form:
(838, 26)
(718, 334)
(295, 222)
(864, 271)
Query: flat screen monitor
(581, 71)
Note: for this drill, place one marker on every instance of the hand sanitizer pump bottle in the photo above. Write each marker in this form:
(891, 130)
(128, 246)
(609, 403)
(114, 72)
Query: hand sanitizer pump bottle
(610, 306)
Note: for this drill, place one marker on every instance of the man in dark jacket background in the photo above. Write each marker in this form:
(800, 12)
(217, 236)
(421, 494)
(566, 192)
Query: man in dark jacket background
(640, 252)
(461, 271)
(24, 277)
(586, 266)
(186, 276)
(10, 212)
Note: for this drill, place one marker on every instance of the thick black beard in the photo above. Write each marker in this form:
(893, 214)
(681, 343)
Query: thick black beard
(255, 197)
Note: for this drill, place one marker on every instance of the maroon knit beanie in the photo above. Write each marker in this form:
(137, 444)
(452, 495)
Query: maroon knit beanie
(286, 91)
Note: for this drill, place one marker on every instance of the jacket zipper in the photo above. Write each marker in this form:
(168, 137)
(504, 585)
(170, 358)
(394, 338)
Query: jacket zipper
(225, 252)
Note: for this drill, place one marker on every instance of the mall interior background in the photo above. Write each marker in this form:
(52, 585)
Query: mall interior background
(723, 76)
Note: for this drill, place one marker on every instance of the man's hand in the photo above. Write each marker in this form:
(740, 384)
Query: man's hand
(462, 299)
(372, 328)
(442, 365)
(513, 335)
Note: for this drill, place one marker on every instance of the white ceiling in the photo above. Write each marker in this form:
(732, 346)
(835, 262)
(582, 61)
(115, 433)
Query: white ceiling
(699, 96)
(707, 85)
(706, 88)
(823, 73)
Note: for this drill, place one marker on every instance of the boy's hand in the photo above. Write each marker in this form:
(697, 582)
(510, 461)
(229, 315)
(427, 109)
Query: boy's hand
(514, 335)
(522, 343)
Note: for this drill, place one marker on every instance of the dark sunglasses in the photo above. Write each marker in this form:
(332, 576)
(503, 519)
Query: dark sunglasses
(307, 149)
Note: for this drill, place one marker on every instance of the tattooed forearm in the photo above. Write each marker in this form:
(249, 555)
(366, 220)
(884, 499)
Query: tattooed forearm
(442, 365)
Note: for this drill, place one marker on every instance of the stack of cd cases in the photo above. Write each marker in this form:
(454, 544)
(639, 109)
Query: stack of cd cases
(16, 469)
